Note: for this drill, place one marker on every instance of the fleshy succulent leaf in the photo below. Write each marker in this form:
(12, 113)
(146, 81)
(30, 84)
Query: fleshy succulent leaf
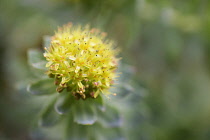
(84, 112)
(47, 41)
(64, 103)
(49, 116)
(100, 103)
(79, 132)
(36, 59)
(101, 133)
(42, 87)
(110, 118)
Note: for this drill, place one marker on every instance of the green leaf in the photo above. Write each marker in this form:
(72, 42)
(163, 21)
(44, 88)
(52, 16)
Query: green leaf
(99, 103)
(49, 116)
(64, 103)
(101, 133)
(36, 59)
(84, 112)
(47, 41)
(110, 118)
(42, 87)
(76, 131)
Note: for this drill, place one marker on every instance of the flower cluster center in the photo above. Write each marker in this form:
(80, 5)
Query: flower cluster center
(81, 60)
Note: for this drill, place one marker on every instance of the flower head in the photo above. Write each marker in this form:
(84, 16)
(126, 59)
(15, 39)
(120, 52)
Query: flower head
(82, 61)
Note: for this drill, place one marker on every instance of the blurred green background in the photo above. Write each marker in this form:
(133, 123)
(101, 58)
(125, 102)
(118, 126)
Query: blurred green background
(165, 43)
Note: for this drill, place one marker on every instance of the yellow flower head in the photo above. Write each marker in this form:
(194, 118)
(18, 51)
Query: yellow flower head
(82, 61)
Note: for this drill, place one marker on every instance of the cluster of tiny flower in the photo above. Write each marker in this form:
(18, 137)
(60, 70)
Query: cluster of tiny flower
(82, 61)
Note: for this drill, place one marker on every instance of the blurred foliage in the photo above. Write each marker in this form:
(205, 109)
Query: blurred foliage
(166, 42)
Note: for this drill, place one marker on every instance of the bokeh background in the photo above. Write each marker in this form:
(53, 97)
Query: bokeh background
(165, 45)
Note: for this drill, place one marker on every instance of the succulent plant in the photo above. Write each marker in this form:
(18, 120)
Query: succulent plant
(80, 63)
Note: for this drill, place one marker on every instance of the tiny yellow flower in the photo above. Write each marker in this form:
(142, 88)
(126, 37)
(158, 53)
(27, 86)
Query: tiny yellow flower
(82, 61)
